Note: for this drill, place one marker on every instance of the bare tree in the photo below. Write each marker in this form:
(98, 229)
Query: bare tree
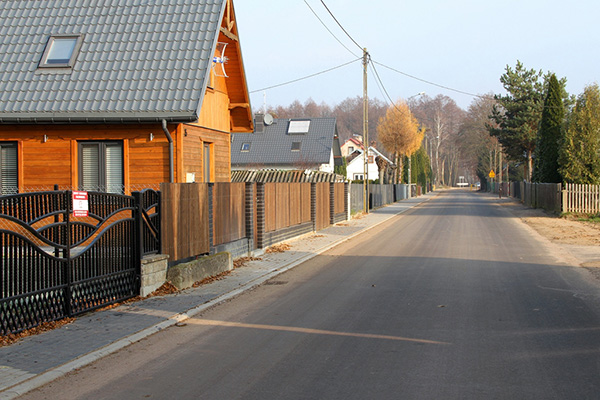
(441, 118)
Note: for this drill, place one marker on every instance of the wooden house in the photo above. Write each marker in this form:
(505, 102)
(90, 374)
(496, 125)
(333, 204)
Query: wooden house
(118, 96)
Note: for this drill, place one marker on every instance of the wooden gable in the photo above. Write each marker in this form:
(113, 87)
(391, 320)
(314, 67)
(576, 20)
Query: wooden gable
(226, 105)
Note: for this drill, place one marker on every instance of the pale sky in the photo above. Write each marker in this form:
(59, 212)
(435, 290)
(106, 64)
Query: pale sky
(461, 44)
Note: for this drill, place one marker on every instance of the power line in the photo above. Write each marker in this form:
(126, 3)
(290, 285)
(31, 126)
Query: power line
(328, 30)
(340, 25)
(431, 83)
(306, 77)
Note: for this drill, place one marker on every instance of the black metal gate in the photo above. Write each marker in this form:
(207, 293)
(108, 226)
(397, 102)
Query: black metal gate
(54, 265)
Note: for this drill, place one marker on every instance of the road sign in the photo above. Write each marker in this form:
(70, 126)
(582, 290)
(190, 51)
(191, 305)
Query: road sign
(80, 204)
(492, 174)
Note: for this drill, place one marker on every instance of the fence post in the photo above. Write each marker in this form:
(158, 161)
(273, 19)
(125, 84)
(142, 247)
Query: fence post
(260, 215)
(347, 200)
(331, 203)
(68, 277)
(249, 207)
(139, 242)
(313, 205)
(565, 199)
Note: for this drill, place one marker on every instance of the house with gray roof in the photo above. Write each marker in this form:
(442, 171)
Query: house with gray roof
(113, 95)
(288, 144)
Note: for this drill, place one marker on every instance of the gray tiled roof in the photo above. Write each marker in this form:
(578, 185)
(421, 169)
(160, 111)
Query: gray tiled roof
(140, 59)
(274, 146)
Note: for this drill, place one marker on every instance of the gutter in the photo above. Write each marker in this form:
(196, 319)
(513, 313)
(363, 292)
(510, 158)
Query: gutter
(171, 156)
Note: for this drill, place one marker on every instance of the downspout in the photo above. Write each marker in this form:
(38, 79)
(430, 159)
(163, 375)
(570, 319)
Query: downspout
(170, 139)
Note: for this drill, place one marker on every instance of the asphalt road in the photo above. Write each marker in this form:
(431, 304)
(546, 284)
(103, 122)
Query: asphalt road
(455, 299)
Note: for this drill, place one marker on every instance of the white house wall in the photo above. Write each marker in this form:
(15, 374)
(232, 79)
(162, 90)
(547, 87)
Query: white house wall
(356, 166)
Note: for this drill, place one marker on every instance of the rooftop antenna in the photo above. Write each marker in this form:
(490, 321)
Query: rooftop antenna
(265, 102)
(220, 60)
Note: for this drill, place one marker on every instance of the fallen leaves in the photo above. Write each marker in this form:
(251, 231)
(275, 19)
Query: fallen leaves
(278, 248)
(45, 327)
(211, 279)
(242, 261)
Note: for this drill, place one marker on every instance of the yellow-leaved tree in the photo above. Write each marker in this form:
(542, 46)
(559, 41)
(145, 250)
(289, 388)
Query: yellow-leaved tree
(400, 134)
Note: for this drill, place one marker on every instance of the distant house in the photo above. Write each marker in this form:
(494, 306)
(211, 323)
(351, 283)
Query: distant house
(288, 144)
(118, 95)
(379, 166)
(352, 144)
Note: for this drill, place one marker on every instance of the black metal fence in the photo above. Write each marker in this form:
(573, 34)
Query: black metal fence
(54, 265)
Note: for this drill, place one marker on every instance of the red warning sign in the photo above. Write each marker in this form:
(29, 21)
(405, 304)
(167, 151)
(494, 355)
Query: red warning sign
(80, 204)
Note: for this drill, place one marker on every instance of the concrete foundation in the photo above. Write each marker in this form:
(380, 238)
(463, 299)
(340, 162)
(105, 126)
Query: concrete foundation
(184, 275)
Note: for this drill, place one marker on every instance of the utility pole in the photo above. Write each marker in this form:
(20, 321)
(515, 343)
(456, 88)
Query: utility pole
(365, 133)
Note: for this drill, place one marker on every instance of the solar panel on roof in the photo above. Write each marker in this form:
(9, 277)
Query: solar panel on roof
(298, 127)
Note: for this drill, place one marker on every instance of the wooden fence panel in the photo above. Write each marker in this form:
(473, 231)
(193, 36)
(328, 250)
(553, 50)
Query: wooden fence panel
(305, 202)
(282, 205)
(184, 220)
(295, 204)
(339, 198)
(229, 214)
(584, 199)
(270, 207)
(322, 205)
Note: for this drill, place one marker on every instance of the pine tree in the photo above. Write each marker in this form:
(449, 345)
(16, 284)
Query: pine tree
(579, 159)
(517, 114)
(549, 135)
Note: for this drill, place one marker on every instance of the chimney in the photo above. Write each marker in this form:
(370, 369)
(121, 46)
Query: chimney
(259, 123)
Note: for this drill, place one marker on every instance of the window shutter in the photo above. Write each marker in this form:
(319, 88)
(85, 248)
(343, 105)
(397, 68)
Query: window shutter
(90, 167)
(8, 169)
(114, 168)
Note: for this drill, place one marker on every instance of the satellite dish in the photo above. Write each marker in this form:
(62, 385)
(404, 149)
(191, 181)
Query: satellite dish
(268, 119)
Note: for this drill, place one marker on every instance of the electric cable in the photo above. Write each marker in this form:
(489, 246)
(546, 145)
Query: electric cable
(329, 30)
(340, 25)
(431, 83)
(305, 77)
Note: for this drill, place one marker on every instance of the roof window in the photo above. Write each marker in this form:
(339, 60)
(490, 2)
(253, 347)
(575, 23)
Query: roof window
(61, 51)
(298, 127)
(245, 147)
(296, 146)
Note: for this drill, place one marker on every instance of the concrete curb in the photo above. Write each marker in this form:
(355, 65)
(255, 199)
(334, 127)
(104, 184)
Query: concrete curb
(46, 377)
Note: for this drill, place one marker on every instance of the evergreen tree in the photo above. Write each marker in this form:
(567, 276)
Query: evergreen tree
(579, 158)
(549, 135)
(518, 113)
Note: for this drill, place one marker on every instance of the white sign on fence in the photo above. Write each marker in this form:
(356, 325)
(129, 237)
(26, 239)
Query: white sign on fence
(80, 204)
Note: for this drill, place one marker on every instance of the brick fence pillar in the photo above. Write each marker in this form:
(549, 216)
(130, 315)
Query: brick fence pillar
(249, 207)
(260, 215)
(313, 205)
(347, 200)
(331, 203)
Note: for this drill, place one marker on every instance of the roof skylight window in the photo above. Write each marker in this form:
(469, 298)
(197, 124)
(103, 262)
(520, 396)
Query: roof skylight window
(61, 51)
(298, 127)
(296, 146)
(245, 147)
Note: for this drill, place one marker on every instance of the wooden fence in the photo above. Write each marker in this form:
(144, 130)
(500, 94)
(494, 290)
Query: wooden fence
(184, 220)
(286, 204)
(229, 213)
(201, 218)
(556, 198)
(584, 199)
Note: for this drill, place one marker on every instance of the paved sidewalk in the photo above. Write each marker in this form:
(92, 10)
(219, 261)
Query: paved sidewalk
(40, 359)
